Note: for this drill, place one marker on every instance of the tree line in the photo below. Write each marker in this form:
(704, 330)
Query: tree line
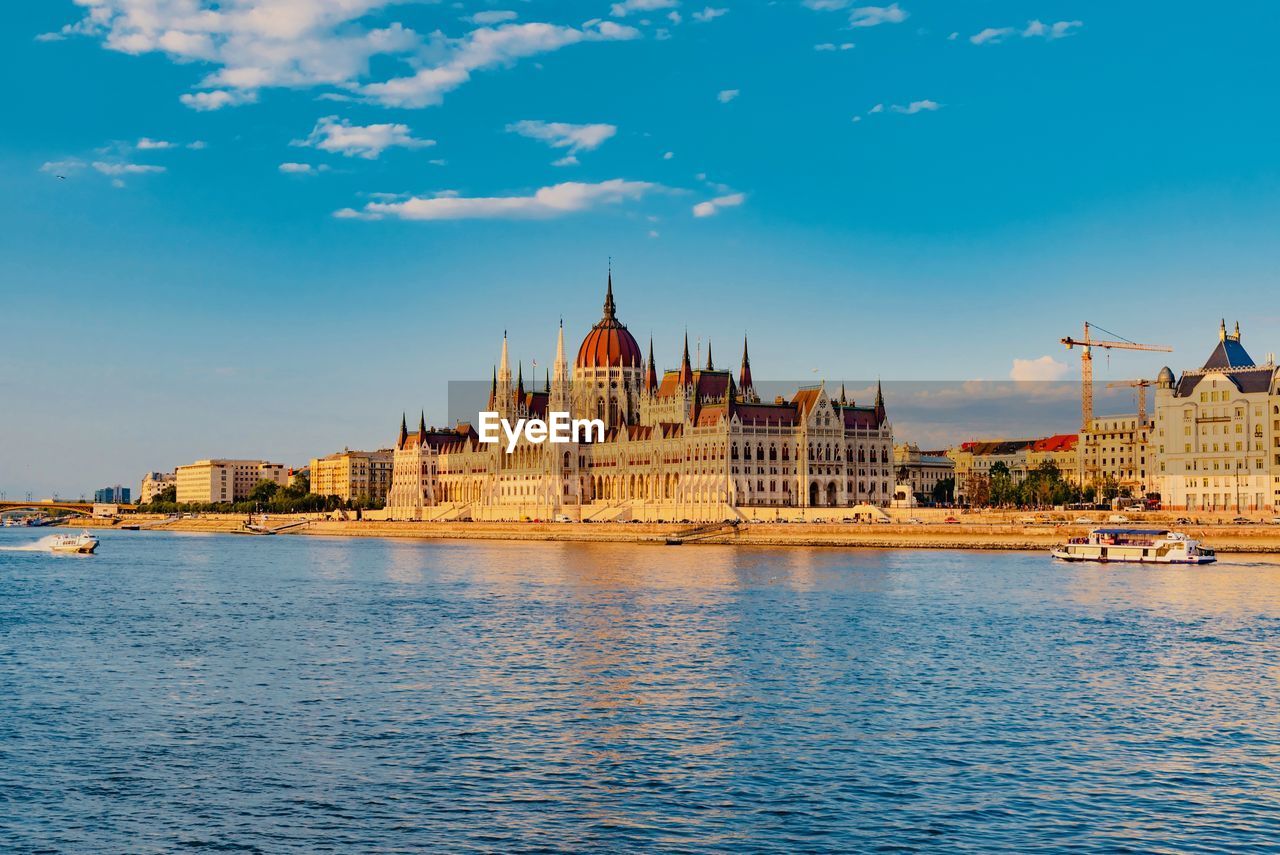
(265, 497)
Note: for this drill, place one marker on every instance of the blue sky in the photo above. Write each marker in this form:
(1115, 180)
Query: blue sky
(458, 169)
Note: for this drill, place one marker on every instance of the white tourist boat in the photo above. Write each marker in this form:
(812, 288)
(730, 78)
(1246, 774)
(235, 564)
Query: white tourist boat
(81, 544)
(1135, 546)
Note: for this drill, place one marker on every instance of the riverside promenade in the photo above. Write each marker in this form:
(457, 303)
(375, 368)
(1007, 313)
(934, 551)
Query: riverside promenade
(986, 531)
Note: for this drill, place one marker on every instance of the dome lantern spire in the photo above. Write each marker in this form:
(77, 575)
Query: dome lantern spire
(610, 310)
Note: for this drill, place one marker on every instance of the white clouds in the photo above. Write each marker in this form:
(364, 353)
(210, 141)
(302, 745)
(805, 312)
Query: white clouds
(862, 16)
(668, 155)
(991, 35)
(1043, 368)
(626, 7)
(493, 16)
(302, 168)
(825, 46)
(709, 14)
(553, 201)
(63, 167)
(117, 169)
(217, 99)
(487, 48)
(147, 144)
(727, 95)
(567, 160)
(367, 141)
(1061, 29)
(872, 16)
(1033, 29)
(258, 44)
(925, 106)
(712, 207)
(576, 138)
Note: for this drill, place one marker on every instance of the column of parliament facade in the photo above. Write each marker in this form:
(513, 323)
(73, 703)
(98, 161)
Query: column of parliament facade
(695, 444)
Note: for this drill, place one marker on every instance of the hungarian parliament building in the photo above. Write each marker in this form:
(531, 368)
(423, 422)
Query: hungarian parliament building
(695, 444)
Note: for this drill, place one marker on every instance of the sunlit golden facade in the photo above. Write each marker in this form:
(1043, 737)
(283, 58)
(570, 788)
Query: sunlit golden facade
(695, 444)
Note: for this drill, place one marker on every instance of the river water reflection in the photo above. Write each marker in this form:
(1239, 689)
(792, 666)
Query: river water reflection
(298, 694)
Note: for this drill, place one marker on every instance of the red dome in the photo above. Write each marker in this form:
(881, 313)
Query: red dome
(606, 344)
(609, 342)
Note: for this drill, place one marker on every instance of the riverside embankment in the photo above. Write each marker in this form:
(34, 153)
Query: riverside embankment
(981, 533)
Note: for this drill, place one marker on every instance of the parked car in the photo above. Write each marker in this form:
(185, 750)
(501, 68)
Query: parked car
(818, 520)
(1084, 521)
(1117, 518)
(914, 521)
(1182, 521)
(563, 518)
(951, 520)
(1242, 521)
(755, 521)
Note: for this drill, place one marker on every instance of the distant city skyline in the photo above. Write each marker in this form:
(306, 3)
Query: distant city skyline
(290, 223)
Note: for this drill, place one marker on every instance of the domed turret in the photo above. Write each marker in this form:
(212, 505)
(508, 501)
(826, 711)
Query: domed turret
(609, 343)
(1165, 378)
(609, 371)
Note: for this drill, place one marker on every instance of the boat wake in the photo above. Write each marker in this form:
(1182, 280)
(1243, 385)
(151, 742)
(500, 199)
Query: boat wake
(44, 544)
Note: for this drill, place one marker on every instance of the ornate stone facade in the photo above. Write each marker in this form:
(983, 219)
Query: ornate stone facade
(697, 444)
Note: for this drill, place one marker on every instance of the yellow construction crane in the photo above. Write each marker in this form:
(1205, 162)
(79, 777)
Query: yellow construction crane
(1086, 346)
(1141, 386)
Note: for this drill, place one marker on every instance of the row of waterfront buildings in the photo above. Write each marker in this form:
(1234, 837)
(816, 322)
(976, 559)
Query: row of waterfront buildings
(698, 442)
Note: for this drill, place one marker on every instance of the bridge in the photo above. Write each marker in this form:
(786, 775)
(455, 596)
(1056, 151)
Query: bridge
(85, 508)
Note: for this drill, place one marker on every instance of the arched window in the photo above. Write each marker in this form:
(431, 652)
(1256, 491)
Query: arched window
(773, 451)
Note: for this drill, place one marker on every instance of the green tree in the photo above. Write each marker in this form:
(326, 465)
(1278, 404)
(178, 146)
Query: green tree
(263, 492)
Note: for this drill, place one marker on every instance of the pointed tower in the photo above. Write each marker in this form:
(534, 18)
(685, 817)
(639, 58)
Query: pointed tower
(879, 404)
(651, 373)
(520, 383)
(404, 431)
(422, 427)
(744, 375)
(547, 388)
(560, 395)
(493, 390)
(503, 404)
(710, 366)
(686, 370)
(844, 402)
(610, 310)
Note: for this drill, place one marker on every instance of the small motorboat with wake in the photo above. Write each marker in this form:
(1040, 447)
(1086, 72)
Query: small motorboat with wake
(81, 544)
(1135, 546)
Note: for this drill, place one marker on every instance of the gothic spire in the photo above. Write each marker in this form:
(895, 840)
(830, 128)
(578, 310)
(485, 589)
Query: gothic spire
(686, 370)
(520, 382)
(710, 366)
(422, 427)
(609, 308)
(879, 403)
(548, 389)
(404, 430)
(744, 376)
(651, 376)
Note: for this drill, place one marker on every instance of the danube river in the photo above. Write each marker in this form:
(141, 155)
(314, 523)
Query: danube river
(302, 694)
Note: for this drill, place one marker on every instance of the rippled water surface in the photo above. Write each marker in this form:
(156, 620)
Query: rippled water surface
(297, 694)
